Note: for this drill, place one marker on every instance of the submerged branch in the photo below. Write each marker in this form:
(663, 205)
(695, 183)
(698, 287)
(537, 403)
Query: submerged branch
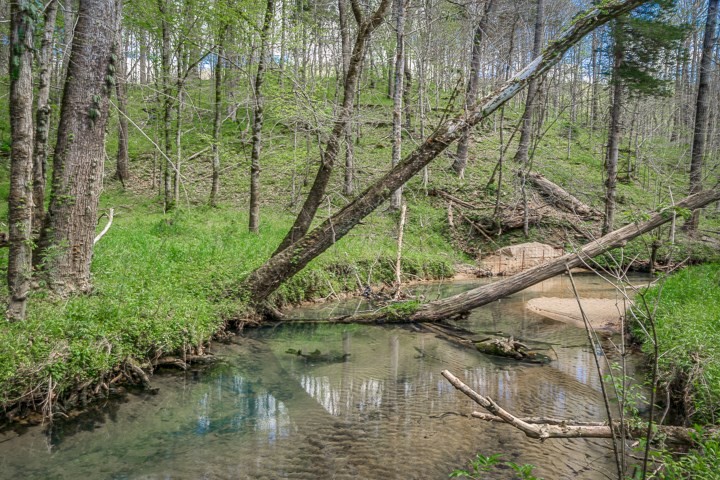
(543, 428)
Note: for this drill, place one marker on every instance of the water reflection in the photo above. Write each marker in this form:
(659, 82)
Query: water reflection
(383, 412)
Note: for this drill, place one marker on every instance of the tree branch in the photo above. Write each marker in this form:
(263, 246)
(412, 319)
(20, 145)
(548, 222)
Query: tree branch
(543, 428)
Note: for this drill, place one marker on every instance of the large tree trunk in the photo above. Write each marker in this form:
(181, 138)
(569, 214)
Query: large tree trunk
(329, 154)
(80, 150)
(472, 86)
(521, 156)
(42, 117)
(702, 109)
(396, 198)
(20, 199)
(122, 168)
(611, 159)
(286, 263)
(254, 223)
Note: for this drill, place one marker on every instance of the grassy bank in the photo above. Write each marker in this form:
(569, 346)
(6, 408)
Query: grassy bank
(687, 319)
(166, 283)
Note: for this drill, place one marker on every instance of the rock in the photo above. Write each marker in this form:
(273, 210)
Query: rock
(517, 258)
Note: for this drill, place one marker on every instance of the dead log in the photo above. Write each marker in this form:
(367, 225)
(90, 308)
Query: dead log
(559, 196)
(485, 294)
(452, 198)
(466, 301)
(544, 428)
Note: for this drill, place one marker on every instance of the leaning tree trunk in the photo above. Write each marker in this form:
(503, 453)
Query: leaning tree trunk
(80, 151)
(521, 156)
(702, 109)
(20, 199)
(477, 297)
(286, 263)
(472, 86)
(42, 117)
(611, 159)
(122, 167)
(254, 223)
(330, 153)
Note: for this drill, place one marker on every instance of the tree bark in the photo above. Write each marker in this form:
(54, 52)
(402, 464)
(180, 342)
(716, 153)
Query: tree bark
(20, 198)
(702, 109)
(521, 156)
(42, 118)
(611, 159)
(167, 102)
(217, 123)
(143, 66)
(122, 167)
(329, 154)
(472, 86)
(559, 196)
(396, 199)
(80, 150)
(348, 187)
(288, 261)
(254, 223)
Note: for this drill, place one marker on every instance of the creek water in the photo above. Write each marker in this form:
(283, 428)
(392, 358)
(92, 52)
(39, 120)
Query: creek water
(383, 412)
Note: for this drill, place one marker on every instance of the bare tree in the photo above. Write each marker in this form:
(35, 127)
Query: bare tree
(328, 155)
(521, 156)
(472, 84)
(702, 109)
(258, 120)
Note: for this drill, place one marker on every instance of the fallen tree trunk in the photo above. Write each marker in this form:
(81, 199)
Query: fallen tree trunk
(559, 196)
(450, 306)
(266, 279)
(466, 301)
(544, 428)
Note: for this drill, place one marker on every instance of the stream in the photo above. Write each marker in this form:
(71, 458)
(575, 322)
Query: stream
(382, 412)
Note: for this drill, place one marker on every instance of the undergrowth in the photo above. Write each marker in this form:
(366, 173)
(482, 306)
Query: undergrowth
(165, 284)
(687, 318)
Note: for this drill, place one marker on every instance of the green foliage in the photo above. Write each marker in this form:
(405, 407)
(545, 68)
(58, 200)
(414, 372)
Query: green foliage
(401, 310)
(687, 320)
(482, 465)
(701, 462)
(650, 41)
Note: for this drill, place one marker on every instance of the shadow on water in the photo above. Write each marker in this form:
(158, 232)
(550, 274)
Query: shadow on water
(373, 406)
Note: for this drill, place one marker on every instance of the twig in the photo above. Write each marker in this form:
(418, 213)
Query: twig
(111, 214)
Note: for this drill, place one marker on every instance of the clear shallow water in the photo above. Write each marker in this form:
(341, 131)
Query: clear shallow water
(384, 413)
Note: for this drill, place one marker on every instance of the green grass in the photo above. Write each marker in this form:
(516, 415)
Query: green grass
(687, 319)
(167, 283)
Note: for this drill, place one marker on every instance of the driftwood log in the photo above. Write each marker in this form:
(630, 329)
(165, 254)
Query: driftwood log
(544, 428)
(559, 196)
(494, 345)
